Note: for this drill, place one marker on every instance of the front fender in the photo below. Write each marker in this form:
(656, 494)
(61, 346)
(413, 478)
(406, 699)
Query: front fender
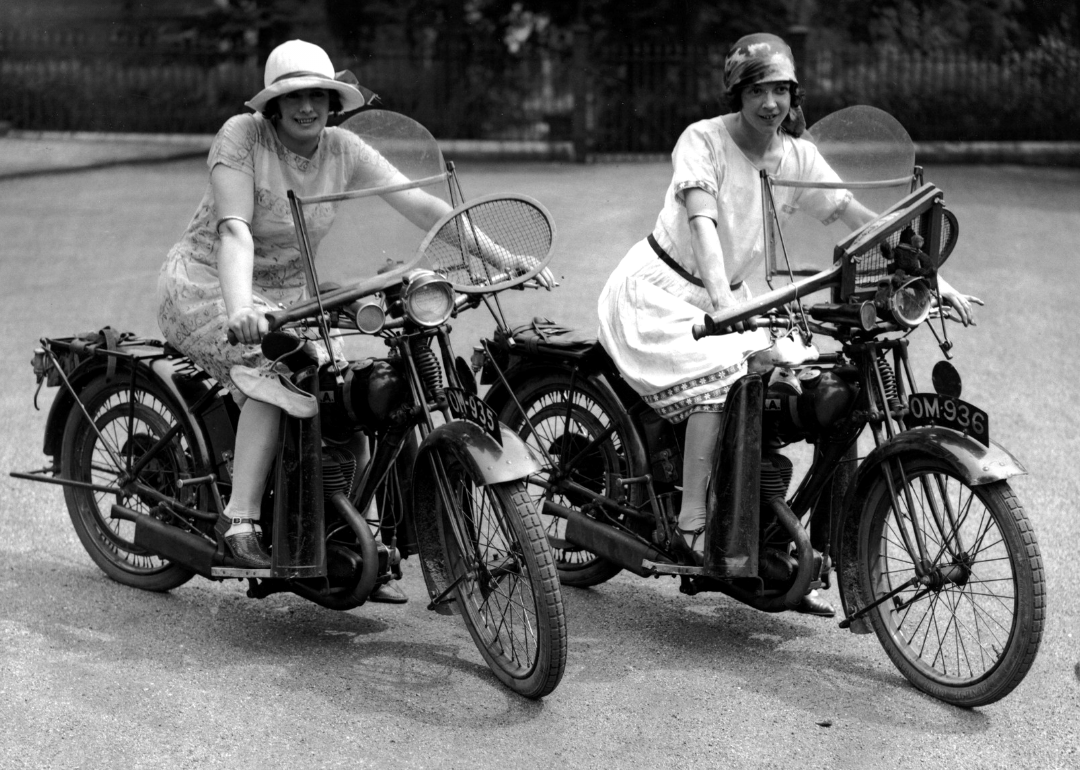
(486, 462)
(970, 460)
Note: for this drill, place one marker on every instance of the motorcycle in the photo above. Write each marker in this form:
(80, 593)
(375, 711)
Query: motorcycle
(142, 440)
(930, 547)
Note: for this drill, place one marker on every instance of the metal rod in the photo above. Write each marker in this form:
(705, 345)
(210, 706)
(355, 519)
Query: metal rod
(846, 622)
(843, 185)
(354, 194)
(66, 482)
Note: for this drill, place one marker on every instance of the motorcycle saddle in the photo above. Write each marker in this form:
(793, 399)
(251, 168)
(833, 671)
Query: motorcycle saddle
(541, 333)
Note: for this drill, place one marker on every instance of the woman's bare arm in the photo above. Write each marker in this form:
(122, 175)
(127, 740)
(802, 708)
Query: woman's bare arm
(234, 196)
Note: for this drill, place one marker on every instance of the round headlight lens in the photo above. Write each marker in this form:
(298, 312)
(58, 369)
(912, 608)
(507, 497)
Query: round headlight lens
(910, 304)
(429, 300)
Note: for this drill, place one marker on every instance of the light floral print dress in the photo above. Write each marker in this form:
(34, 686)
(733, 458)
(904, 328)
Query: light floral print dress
(191, 313)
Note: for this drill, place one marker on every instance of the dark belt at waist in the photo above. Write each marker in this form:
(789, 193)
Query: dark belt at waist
(667, 260)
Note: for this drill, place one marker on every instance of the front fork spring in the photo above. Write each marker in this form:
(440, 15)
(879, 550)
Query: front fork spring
(427, 365)
(888, 381)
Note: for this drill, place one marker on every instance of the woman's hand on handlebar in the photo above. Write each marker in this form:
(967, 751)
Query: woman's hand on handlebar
(546, 279)
(963, 304)
(247, 326)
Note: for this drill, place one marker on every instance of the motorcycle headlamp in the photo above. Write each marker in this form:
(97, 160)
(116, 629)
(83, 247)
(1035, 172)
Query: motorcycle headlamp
(910, 304)
(429, 298)
(370, 316)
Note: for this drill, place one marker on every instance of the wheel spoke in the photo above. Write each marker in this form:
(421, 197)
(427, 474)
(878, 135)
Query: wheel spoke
(504, 593)
(968, 631)
(119, 427)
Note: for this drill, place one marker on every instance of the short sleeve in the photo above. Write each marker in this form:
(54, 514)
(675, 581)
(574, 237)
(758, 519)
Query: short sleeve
(234, 145)
(825, 205)
(367, 166)
(694, 162)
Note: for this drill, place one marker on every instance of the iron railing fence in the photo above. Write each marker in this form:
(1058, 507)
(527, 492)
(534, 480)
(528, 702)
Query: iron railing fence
(642, 96)
(629, 98)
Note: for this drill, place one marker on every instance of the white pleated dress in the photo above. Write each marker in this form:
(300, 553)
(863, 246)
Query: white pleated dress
(647, 310)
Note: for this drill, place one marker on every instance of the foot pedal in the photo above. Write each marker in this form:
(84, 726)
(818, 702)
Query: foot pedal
(664, 568)
(240, 572)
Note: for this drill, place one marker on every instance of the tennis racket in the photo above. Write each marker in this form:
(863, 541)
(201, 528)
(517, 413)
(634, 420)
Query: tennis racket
(491, 243)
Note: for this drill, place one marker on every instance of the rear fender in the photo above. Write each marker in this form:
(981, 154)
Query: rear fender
(488, 463)
(972, 462)
(213, 428)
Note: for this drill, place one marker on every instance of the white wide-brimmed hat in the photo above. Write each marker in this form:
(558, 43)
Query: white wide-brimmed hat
(296, 65)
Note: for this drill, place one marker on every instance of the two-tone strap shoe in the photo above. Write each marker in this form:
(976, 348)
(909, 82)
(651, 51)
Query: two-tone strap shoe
(246, 547)
(690, 544)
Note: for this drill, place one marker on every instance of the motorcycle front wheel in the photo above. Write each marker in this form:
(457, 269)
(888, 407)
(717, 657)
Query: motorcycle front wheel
(578, 432)
(967, 628)
(507, 587)
(127, 424)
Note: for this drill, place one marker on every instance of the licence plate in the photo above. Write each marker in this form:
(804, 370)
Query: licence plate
(934, 409)
(467, 406)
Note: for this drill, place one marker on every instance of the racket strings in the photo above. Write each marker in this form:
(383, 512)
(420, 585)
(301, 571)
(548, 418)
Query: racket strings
(491, 242)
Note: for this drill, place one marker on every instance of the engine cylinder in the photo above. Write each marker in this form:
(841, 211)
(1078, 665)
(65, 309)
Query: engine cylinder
(367, 394)
(776, 472)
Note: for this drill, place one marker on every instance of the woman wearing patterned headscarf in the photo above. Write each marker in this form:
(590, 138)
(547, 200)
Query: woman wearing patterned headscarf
(708, 238)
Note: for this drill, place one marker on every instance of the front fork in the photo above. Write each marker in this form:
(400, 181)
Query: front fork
(890, 385)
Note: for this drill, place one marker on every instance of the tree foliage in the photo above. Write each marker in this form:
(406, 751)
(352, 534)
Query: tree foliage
(521, 23)
(980, 27)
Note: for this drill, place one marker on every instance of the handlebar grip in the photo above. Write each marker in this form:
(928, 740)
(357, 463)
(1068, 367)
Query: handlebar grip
(232, 338)
(710, 328)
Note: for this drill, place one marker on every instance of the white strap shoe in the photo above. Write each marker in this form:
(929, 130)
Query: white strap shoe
(273, 388)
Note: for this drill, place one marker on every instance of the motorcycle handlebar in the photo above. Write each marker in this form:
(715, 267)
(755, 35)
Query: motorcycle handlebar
(707, 329)
(736, 319)
(332, 300)
(338, 298)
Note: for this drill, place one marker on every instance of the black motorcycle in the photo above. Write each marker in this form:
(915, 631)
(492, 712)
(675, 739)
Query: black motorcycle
(141, 440)
(930, 547)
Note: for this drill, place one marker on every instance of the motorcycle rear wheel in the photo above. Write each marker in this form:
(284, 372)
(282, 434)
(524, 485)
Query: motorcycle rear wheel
(968, 633)
(561, 418)
(507, 587)
(126, 435)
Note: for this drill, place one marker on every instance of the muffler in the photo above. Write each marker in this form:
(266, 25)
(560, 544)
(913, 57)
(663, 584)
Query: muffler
(606, 541)
(168, 542)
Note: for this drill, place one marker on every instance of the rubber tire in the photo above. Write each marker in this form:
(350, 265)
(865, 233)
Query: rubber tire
(544, 398)
(513, 514)
(1020, 553)
(105, 538)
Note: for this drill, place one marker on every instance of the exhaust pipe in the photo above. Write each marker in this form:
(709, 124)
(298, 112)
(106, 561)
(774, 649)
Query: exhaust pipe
(606, 541)
(167, 541)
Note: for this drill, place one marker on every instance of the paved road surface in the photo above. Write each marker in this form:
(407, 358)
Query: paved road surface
(93, 674)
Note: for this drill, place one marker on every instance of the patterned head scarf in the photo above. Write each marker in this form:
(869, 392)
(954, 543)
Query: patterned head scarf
(758, 58)
(762, 58)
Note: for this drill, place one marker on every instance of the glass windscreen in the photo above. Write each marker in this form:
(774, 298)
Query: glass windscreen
(860, 144)
(396, 172)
